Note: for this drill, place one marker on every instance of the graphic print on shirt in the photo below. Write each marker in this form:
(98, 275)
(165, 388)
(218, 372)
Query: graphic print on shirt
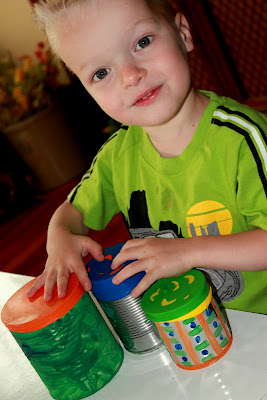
(139, 224)
(206, 218)
(211, 218)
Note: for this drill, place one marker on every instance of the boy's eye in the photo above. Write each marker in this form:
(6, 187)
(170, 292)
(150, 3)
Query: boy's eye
(101, 74)
(144, 42)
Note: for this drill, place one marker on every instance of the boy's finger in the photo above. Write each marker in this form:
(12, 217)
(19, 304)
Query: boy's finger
(49, 286)
(38, 283)
(83, 277)
(120, 259)
(62, 284)
(130, 251)
(94, 248)
(143, 285)
(139, 289)
(128, 271)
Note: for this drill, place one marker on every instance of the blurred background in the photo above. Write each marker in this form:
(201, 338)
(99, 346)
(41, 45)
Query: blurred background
(50, 128)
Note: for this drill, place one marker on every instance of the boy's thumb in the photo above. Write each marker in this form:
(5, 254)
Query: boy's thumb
(94, 248)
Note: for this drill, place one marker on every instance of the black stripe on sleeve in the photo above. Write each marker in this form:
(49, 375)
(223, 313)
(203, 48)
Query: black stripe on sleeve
(245, 118)
(90, 171)
(250, 145)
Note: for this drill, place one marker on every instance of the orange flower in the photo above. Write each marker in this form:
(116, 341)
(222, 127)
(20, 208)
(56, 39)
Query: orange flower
(27, 84)
(19, 75)
(20, 97)
(27, 63)
(17, 93)
(24, 103)
(44, 58)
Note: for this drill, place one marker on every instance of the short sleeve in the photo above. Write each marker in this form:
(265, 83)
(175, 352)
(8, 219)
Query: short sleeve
(252, 177)
(94, 196)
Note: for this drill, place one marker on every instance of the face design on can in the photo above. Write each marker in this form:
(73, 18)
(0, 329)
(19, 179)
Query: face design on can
(168, 295)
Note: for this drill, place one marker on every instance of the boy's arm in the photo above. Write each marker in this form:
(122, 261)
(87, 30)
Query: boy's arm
(67, 244)
(162, 258)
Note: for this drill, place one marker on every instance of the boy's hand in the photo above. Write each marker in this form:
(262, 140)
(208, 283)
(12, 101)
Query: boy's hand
(158, 257)
(65, 255)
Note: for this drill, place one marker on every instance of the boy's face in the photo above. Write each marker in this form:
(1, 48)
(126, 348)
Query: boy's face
(130, 60)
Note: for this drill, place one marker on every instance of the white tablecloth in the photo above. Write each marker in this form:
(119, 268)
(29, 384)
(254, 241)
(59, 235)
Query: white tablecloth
(240, 375)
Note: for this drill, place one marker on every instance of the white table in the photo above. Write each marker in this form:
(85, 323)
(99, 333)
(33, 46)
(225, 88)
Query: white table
(240, 375)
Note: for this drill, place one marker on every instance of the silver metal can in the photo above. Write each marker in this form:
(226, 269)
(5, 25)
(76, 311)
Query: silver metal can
(124, 312)
(130, 323)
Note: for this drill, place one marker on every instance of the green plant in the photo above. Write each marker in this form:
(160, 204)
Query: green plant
(27, 85)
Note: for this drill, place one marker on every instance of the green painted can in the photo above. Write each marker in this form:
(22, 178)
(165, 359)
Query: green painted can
(73, 351)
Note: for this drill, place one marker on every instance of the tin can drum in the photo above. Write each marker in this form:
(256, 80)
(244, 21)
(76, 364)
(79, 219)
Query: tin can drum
(125, 313)
(66, 340)
(188, 319)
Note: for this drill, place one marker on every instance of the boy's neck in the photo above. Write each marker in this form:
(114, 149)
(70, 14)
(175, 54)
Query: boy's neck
(171, 139)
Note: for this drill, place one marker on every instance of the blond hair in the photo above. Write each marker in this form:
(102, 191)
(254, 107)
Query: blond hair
(49, 13)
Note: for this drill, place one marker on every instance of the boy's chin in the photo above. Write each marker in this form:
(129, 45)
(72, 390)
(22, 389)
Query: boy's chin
(153, 121)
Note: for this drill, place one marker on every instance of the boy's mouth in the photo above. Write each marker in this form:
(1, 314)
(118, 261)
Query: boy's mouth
(148, 97)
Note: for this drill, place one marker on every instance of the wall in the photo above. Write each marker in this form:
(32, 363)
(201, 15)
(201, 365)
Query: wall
(243, 25)
(230, 39)
(18, 32)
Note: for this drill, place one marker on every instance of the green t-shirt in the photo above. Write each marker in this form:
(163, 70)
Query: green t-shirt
(217, 186)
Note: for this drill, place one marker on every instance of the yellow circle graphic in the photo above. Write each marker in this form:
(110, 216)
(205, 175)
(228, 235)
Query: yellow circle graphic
(209, 218)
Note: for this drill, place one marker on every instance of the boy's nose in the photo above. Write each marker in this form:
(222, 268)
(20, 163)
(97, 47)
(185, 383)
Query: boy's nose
(131, 74)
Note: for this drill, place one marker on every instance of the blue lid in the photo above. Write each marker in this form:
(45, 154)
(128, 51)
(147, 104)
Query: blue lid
(101, 276)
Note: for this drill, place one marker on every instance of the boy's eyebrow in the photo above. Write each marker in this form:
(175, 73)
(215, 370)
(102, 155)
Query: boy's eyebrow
(149, 20)
(132, 27)
(142, 21)
(84, 65)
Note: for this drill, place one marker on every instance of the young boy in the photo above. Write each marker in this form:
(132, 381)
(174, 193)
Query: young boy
(187, 169)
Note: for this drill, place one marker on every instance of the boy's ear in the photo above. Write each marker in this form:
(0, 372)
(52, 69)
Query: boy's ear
(184, 30)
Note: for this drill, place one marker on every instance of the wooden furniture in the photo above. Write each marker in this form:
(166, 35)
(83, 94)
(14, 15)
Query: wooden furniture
(23, 238)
